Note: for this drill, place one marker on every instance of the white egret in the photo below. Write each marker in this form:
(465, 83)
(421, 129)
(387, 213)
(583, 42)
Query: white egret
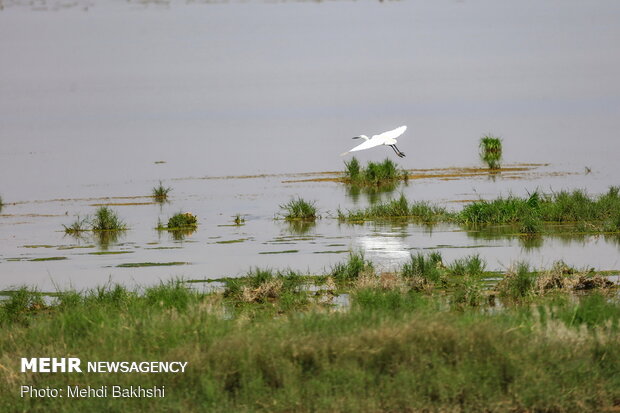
(386, 138)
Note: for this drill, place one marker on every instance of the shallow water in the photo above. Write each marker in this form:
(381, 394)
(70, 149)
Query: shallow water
(93, 95)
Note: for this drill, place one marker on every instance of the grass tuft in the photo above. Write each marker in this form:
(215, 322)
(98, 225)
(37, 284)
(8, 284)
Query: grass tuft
(180, 221)
(79, 225)
(160, 192)
(107, 220)
(355, 266)
(491, 151)
(375, 173)
(299, 209)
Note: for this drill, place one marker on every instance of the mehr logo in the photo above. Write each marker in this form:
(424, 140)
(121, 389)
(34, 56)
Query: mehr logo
(51, 365)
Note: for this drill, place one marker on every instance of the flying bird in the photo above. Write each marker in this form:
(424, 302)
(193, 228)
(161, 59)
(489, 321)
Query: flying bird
(386, 138)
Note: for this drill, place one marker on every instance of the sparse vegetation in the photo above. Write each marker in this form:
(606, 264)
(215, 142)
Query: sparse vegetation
(374, 173)
(491, 151)
(107, 220)
(160, 192)
(299, 209)
(78, 226)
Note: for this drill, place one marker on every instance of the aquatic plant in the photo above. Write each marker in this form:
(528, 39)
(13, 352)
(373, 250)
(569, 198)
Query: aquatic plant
(77, 227)
(375, 173)
(491, 151)
(397, 208)
(160, 192)
(299, 209)
(182, 220)
(238, 219)
(531, 212)
(107, 220)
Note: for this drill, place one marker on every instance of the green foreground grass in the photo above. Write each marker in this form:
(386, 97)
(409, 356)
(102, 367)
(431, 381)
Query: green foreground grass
(410, 340)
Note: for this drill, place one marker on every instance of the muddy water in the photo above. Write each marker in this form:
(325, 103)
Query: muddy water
(100, 100)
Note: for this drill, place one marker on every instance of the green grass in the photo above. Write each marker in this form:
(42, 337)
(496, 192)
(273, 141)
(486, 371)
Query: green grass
(78, 226)
(299, 209)
(107, 220)
(491, 151)
(603, 211)
(397, 208)
(180, 221)
(374, 173)
(263, 346)
(353, 268)
(160, 192)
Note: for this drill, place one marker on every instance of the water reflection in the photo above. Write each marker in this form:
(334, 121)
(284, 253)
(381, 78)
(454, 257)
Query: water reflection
(104, 239)
(373, 194)
(565, 234)
(300, 227)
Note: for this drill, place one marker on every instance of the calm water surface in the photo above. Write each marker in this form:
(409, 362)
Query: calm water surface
(94, 93)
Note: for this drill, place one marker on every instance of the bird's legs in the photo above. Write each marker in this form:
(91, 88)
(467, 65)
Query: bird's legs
(398, 152)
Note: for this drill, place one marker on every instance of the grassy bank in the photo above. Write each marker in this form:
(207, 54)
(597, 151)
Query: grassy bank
(267, 342)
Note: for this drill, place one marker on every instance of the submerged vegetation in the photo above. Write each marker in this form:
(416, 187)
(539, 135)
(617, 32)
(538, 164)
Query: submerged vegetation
(160, 192)
(299, 209)
(421, 337)
(491, 151)
(374, 173)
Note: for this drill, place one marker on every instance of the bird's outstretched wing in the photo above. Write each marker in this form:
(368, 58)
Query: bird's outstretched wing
(371, 143)
(391, 134)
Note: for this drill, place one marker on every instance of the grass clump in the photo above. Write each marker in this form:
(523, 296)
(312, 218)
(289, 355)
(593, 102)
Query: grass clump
(299, 209)
(424, 268)
(160, 192)
(519, 282)
(471, 265)
(107, 220)
(180, 221)
(77, 227)
(397, 208)
(351, 270)
(375, 173)
(491, 151)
